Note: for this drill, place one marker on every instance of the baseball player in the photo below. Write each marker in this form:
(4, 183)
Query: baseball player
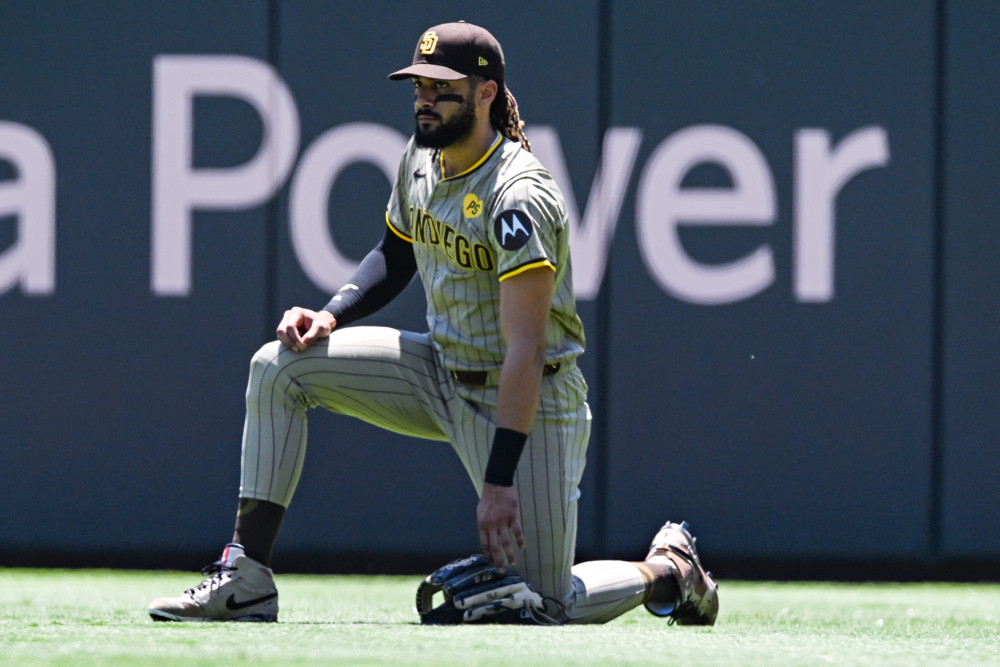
(482, 223)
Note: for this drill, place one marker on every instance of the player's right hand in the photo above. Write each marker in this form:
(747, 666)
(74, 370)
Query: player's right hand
(300, 327)
(498, 516)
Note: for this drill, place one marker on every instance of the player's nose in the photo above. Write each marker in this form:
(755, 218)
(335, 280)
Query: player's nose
(424, 97)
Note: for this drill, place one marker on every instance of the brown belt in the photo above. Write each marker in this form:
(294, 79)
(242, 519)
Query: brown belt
(479, 378)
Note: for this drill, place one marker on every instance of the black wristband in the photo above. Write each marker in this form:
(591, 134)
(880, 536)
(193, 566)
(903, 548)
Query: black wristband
(504, 455)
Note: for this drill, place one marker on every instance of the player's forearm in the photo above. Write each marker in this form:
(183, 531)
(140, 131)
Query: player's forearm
(520, 380)
(517, 402)
(380, 276)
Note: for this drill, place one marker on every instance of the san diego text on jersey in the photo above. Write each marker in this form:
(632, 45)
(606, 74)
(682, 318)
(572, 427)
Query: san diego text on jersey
(428, 230)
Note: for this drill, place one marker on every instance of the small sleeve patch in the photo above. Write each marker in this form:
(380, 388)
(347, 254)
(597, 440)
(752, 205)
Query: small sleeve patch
(512, 229)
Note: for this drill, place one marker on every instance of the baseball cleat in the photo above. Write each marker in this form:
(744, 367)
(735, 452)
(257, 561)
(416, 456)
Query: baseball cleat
(698, 603)
(238, 588)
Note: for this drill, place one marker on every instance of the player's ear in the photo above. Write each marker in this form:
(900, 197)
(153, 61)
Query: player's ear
(488, 92)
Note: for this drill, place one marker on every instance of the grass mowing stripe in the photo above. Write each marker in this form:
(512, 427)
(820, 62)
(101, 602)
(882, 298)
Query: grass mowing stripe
(54, 617)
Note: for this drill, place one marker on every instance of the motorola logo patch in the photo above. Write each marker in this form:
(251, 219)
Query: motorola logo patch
(512, 229)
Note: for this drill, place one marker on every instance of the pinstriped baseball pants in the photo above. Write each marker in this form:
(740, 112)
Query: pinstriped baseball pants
(392, 379)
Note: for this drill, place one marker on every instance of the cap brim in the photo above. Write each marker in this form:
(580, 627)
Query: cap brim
(428, 71)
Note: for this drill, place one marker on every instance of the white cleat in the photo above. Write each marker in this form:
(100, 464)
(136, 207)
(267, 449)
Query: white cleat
(238, 588)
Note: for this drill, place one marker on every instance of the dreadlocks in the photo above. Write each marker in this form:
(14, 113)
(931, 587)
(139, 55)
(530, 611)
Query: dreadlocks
(506, 119)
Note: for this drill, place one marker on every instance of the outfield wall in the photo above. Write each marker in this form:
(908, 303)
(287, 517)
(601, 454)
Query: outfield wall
(784, 248)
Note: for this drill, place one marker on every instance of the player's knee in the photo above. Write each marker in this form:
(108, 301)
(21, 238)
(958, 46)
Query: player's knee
(265, 359)
(271, 377)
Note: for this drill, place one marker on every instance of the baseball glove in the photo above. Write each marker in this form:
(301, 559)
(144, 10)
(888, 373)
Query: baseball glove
(476, 592)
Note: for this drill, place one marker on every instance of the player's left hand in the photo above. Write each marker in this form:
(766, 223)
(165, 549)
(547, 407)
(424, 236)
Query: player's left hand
(499, 518)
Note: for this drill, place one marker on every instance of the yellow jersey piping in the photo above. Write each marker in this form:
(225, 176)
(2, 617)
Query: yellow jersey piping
(396, 231)
(527, 267)
(478, 163)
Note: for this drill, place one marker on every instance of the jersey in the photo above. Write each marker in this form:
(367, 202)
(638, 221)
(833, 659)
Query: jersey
(502, 216)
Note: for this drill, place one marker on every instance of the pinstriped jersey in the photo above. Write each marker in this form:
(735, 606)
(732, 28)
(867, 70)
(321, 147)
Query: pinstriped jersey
(502, 216)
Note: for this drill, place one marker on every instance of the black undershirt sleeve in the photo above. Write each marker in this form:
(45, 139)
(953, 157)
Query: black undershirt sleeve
(379, 278)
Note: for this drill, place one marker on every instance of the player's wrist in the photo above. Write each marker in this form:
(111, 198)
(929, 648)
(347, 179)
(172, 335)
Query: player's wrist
(329, 318)
(504, 456)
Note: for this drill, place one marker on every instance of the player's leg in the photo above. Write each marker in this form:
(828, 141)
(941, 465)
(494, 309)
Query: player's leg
(383, 376)
(548, 481)
(387, 377)
(670, 581)
(547, 478)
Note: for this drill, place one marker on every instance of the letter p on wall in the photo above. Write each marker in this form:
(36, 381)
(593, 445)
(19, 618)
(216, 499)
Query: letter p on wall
(178, 188)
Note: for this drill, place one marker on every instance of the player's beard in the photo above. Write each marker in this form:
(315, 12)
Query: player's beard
(448, 132)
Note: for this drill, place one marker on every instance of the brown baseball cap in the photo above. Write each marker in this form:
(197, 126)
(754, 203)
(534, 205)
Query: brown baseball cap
(453, 51)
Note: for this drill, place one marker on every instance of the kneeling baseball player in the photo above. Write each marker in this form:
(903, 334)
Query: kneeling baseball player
(483, 224)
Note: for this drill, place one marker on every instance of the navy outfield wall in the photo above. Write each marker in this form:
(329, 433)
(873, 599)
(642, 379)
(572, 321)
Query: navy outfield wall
(784, 255)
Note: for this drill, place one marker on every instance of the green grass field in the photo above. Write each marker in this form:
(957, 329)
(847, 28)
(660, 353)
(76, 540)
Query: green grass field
(93, 617)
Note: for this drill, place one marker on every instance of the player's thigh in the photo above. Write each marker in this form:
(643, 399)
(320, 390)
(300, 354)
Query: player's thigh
(384, 376)
(548, 481)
